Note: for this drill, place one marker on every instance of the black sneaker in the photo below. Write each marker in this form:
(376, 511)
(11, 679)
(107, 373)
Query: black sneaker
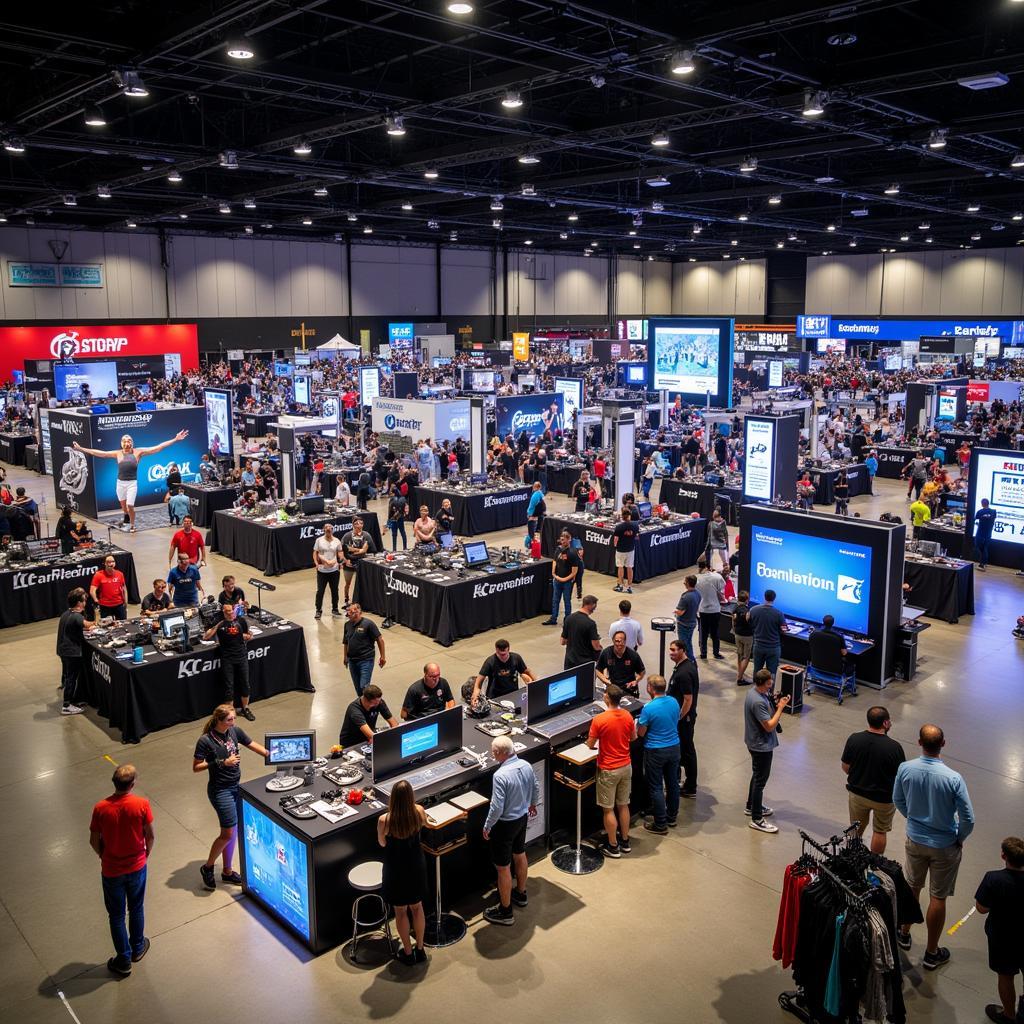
(232, 878)
(247, 714)
(995, 1012)
(118, 966)
(904, 940)
(932, 961)
(407, 959)
(610, 851)
(318, 615)
(658, 830)
(335, 614)
(209, 879)
(520, 899)
(671, 822)
(500, 915)
(419, 955)
(624, 846)
(136, 957)
(719, 657)
(550, 622)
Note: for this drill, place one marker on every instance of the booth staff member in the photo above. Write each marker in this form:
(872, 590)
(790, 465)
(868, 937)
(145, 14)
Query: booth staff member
(624, 541)
(360, 722)
(357, 647)
(108, 590)
(325, 559)
(768, 624)
(984, 520)
(580, 492)
(564, 570)
(579, 635)
(71, 632)
(621, 665)
(185, 583)
(232, 633)
(189, 541)
(428, 695)
(157, 602)
(684, 689)
(231, 594)
(502, 672)
(355, 546)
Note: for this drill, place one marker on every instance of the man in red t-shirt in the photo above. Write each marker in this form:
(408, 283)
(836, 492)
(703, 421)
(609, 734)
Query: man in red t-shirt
(188, 541)
(611, 732)
(121, 833)
(109, 591)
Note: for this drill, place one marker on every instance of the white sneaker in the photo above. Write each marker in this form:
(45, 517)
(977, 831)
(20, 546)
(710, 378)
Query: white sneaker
(763, 826)
(766, 811)
(71, 709)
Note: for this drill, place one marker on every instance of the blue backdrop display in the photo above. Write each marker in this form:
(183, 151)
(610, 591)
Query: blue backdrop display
(219, 423)
(276, 868)
(530, 413)
(812, 576)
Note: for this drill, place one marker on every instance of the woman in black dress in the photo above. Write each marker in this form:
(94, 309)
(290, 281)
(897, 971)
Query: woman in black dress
(405, 869)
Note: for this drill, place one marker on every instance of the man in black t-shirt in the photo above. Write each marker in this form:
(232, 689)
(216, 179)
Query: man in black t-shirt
(1001, 896)
(357, 647)
(71, 632)
(684, 686)
(232, 632)
(564, 571)
(361, 716)
(871, 760)
(355, 546)
(580, 491)
(502, 672)
(579, 635)
(624, 541)
(826, 645)
(428, 695)
(621, 665)
(158, 601)
(231, 594)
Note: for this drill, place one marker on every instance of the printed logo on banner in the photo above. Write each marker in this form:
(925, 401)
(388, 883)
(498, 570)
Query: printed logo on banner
(67, 345)
(391, 421)
(158, 471)
(504, 499)
(398, 586)
(758, 468)
(487, 589)
(188, 668)
(458, 423)
(25, 580)
(74, 427)
(100, 667)
(598, 538)
(309, 532)
(683, 493)
(849, 589)
(658, 539)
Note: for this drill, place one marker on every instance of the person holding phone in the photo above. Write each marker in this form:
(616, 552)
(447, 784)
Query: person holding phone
(761, 715)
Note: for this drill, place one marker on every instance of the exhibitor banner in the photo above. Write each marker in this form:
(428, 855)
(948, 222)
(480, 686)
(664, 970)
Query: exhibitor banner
(532, 414)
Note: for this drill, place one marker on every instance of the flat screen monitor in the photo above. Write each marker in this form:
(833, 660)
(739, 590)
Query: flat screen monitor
(570, 688)
(999, 477)
(478, 380)
(636, 373)
(692, 358)
(122, 407)
(415, 742)
(929, 548)
(447, 541)
(169, 624)
(285, 748)
(437, 361)
(476, 553)
(369, 385)
(18, 377)
(644, 508)
(300, 388)
(947, 407)
(812, 576)
(283, 369)
(68, 379)
(219, 425)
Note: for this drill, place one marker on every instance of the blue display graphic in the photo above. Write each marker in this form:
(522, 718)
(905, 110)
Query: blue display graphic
(219, 433)
(68, 379)
(691, 357)
(417, 741)
(561, 689)
(283, 369)
(530, 414)
(999, 476)
(276, 868)
(822, 326)
(300, 388)
(812, 576)
(400, 335)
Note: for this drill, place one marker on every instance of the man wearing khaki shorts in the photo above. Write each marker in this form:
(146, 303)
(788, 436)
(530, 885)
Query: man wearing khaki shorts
(871, 760)
(934, 800)
(611, 732)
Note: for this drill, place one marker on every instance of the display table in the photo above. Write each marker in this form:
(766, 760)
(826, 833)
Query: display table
(893, 457)
(206, 499)
(256, 424)
(825, 482)
(659, 549)
(476, 510)
(447, 607)
(39, 590)
(951, 539)
(945, 590)
(170, 688)
(689, 496)
(12, 448)
(329, 481)
(562, 476)
(276, 548)
(952, 439)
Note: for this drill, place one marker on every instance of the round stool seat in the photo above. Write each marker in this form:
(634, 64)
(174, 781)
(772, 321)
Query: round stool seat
(368, 876)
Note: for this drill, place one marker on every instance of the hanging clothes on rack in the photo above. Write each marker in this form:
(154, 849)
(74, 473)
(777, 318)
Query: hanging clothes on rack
(784, 946)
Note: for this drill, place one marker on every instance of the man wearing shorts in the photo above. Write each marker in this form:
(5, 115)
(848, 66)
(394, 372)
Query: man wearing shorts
(611, 732)
(871, 761)
(624, 542)
(514, 799)
(934, 800)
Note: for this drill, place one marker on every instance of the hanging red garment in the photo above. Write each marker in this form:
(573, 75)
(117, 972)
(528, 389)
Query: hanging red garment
(787, 928)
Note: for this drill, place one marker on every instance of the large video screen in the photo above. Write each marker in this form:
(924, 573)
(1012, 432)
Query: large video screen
(276, 868)
(300, 388)
(812, 576)
(571, 390)
(68, 379)
(219, 432)
(530, 414)
(692, 358)
(999, 476)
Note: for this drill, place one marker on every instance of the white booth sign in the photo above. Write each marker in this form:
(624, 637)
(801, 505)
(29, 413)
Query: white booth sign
(440, 421)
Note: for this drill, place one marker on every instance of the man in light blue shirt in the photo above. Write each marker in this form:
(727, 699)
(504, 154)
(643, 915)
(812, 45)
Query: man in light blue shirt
(934, 800)
(178, 506)
(658, 725)
(514, 795)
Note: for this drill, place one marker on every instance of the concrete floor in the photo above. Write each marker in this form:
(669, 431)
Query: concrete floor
(685, 924)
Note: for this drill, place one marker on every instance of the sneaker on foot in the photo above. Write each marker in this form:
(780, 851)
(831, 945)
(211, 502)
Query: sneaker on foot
(209, 879)
(903, 940)
(766, 811)
(318, 615)
(499, 915)
(406, 959)
(617, 588)
(136, 957)
(624, 846)
(629, 590)
(608, 850)
(671, 822)
(658, 830)
(71, 709)
(550, 622)
(118, 966)
(232, 878)
(419, 955)
(247, 714)
(688, 794)
(932, 961)
(719, 657)
(995, 1012)
(763, 826)
(520, 899)
(335, 614)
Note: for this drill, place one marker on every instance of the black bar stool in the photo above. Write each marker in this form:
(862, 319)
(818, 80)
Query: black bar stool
(578, 772)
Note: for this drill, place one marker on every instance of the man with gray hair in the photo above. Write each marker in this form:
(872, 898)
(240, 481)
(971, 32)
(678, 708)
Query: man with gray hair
(514, 795)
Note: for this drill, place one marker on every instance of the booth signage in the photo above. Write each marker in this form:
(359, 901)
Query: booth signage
(765, 341)
(841, 327)
(521, 346)
(400, 335)
(760, 459)
(54, 275)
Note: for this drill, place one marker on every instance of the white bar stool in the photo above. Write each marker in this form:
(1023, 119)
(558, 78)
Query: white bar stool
(367, 879)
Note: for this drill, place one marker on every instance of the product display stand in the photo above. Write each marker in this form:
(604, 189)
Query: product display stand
(579, 774)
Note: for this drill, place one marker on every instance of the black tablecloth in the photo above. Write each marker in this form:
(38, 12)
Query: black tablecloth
(32, 457)
(689, 496)
(561, 477)
(12, 448)
(166, 690)
(41, 592)
(277, 549)
(475, 511)
(673, 547)
(825, 483)
(943, 591)
(448, 611)
(952, 439)
(204, 501)
(257, 424)
(953, 542)
(329, 480)
(892, 458)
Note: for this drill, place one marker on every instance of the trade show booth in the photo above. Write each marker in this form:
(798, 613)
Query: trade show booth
(417, 419)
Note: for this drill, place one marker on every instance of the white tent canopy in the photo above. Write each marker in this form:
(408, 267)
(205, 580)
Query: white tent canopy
(338, 346)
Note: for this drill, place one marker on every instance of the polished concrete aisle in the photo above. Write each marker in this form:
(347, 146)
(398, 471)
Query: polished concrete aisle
(681, 930)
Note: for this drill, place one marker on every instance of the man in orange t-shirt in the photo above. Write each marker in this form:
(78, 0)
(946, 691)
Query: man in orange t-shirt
(121, 833)
(611, 732)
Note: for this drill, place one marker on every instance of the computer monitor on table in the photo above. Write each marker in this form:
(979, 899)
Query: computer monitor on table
(289, 750)
(644, 508)
(447, 541)
(416, 742)
(570, 688)
(476, 553)
(172, 623)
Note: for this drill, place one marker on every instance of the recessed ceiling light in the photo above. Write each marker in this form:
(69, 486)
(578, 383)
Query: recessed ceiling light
(182, 216)
(973, 207)
(512, 100)
(636, 245)
(302, 148)
(631, 232)
(748, 164)
(923, 226)
(842, 39)
(174, 176)
(976, 237)
(248, 229)
(734, 241)
(407, 206)
(430, 174)
(229, 160)
(497, 204)
(814, 103)
(681, 62)
(830, 227)
(574, 216)
(937, 138)
(529, 158)
(307, 221)
(1018, 160)
(743, 216)
(249, 203)
(593, 245)
(1018, 216)
(103, 192)
(351, 217)
(659, 182)
(893, 189)
(224, 208)
(527, 241)
(69, 200)
(239, 49)
(131, 83)
(774, 200)
(853, 244)
(320, 191)
(904, 238)
(130, 224)
(460, 8)
(929, 239)
(367, 229)
(13, 144)
(780, 245)
(94, 117)
(660, 139)
(395, 125)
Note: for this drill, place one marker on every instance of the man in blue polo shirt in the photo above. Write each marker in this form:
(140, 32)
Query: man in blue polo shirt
(184, 581)
(658, 726)
(686, 614)
(768, 625)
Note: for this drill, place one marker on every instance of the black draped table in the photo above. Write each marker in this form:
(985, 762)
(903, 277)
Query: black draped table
(36, 591)
(12, 448)
(689, 496)
(170, 688)
(476, 510)
(329, 480)
(256, 424)
(952, 541)
(447, 607)
(205, 499)
(276, 548)
(943, 590)
(32, 457)
(952, 439)
(659, 549)
(825, 482)
(562, 476)
(893, 457)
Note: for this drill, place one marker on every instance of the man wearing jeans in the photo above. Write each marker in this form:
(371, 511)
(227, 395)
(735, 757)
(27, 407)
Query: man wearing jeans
(121, 833)
(768, 624)
(686, 614)
(357, 647)
(760, 733)
(658, 727)
(566, 566)
(934, 800)
(984, 520)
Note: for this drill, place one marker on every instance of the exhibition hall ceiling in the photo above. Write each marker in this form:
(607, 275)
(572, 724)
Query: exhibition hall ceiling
(660, 128)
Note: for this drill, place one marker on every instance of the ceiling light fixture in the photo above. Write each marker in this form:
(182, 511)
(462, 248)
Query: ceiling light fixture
(659, 182)
(174, 176)
(814, 103)
(249, 203)
(748, 164)
(636, 245)
(302, 148)
(94, 117)
(529, 158)
(528, 190)
(130, 224)
(351, 217)
(1018, 216)
(976, 237)
(973, 207)
(224, 208)
(657, 206)
(433, 225)
(496, 223)
(497, 204)
(182, 216)
(697, 229)
(307, 221)
(367, 229)
(574, 216)
(682, 62)
(407, 206)
(69, 200)
(774, 200)
(103, 192)
(830, 227)
(563, 235)
(937, 138)
(266, 225)
(893, 189)
(131, 83)
(460, 8)
(395, 125)
(229, 160)
(239, 49)
(853, 243)
(431, 174)
(792, 236)
(1017, 161)
(527, 241)
(841, 39)
(743, 217)
(734, 241)
(631, 232)
(660, 139)
(929, 239)
(320, 192)
(512, 100)
(780, 245)
(923, 226)
(13, 144)
(248, 229)
(998, 227)
(904, 238)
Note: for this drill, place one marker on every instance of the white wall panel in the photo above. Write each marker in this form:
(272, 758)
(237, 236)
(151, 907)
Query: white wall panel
(723, 288)
(393, 280)
(466, 282)
(657, 288)
(629, 285)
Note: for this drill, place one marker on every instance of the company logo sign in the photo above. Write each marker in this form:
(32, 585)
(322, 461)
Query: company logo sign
(391, 421)
(401, 334)
(593, 537)
(456, 423)
(521, 420)
(849, 589)
(310, 532)
(812, 326)
(189, 668)
(758, 475)
(503, 499)
(100, 667)
(977, 391)
(906, 330)
(399, 586)
(684, 493)
(24, 580)
(68, 344)
(487, 589)
(158, 471)
(74, 427)
(657, 539)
